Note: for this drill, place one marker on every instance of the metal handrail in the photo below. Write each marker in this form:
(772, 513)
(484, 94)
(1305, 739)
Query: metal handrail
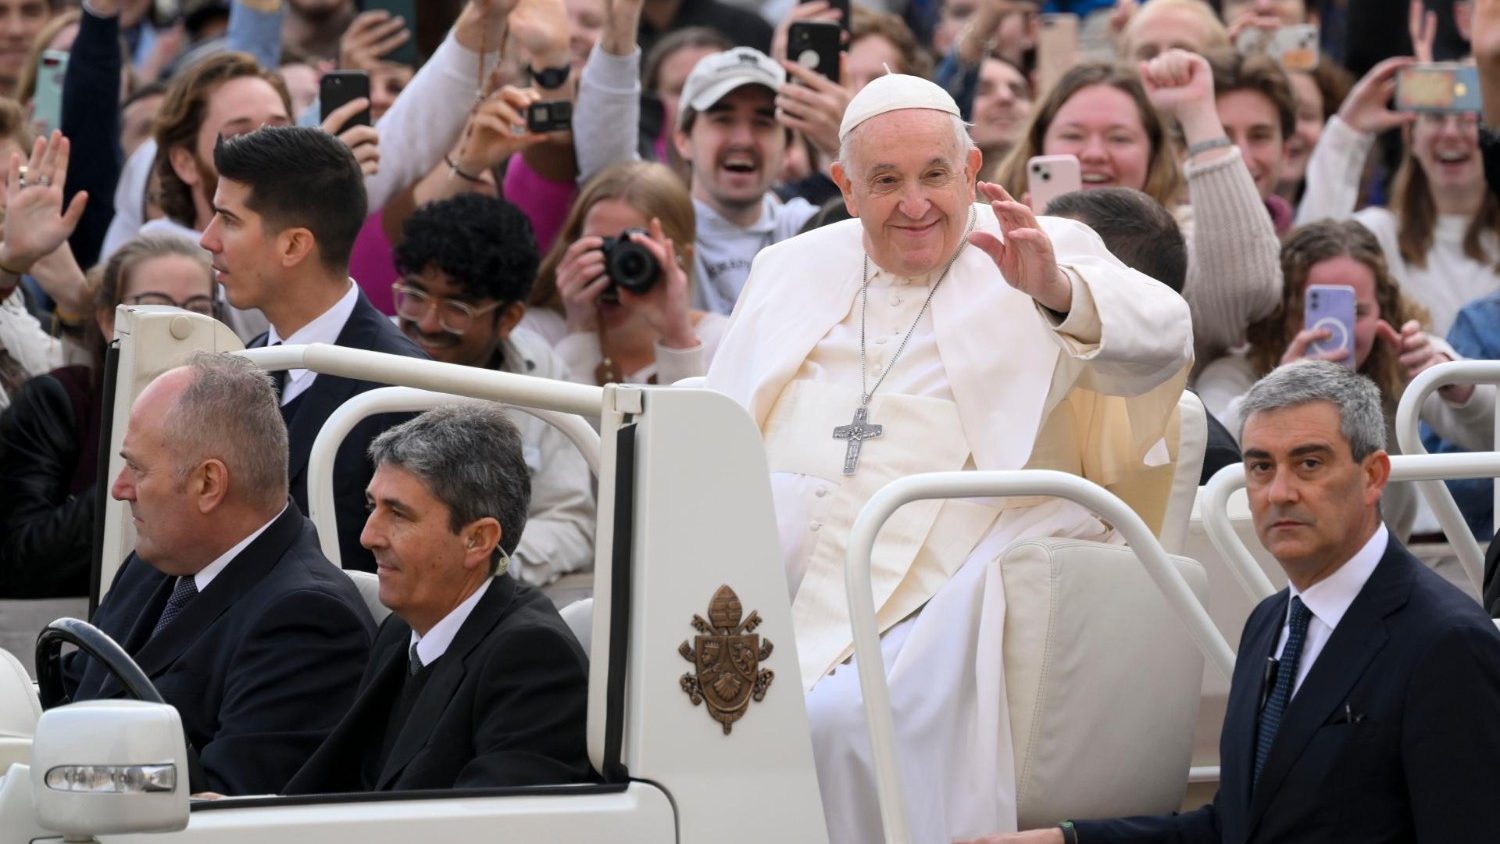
(471, 381)
(320, 498)
(861, 594)
(1404, 467)
(1409, 438)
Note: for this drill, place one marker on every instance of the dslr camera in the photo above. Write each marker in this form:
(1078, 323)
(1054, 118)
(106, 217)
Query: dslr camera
(628, 264)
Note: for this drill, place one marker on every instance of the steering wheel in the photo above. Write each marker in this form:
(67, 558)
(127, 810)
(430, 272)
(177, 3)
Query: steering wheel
(97, 644)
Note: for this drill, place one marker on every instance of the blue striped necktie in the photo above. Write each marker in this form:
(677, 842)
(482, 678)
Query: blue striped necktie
(1286, 677)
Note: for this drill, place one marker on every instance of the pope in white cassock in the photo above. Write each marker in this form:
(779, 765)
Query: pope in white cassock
(934, 334)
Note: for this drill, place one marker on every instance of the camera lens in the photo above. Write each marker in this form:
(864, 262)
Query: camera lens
(629, 264)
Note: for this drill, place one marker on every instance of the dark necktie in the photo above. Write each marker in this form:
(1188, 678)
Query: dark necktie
(413, 662)
(278, 376)
(183, 592)
(1286, 677)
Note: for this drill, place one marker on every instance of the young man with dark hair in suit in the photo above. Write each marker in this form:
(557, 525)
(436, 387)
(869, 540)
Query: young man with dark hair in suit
(288, 205)
(1364, 698)
(474, 680)
(227, 604)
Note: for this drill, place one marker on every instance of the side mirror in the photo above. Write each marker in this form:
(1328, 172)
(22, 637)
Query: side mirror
(110, 766)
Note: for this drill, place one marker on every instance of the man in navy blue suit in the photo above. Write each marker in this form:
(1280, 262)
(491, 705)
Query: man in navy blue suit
(1365, 703)
(289, 203)
(227, 603)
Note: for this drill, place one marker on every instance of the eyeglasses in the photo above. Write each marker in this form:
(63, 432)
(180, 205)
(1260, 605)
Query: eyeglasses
(197, 304)
(1438, 119)
(413, 303)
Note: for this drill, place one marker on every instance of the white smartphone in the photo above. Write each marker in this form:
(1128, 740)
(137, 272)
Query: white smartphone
(1051, 176)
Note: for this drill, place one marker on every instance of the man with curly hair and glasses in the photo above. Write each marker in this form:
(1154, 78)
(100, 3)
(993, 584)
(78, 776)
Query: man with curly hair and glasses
(467, 266)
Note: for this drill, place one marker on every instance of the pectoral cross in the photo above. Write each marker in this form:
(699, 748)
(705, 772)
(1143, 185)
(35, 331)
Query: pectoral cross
(856, 432)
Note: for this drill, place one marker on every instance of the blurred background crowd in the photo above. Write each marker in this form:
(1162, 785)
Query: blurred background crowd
(576, 189)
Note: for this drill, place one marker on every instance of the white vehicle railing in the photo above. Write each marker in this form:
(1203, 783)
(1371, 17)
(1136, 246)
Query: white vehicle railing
(403, 400)
(976, 485)
(560, 396)
(1409, 437)
(1404, 467)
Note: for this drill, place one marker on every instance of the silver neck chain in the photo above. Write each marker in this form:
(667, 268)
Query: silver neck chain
(864, 306)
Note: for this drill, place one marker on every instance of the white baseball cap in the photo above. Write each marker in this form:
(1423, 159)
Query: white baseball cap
(715, 76)
(893, 92)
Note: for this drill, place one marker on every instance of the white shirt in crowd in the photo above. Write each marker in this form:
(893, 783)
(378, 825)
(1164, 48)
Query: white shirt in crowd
(724, 251)
(325, 328)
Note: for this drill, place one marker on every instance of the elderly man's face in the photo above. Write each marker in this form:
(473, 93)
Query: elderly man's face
(167, 522)
(425, 568)
(1313, 504)
(911, 184)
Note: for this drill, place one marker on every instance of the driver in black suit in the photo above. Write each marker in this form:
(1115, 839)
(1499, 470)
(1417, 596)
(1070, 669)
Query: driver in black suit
(227, 603)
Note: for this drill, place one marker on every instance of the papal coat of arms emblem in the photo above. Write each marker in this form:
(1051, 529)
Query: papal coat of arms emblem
(727, 653)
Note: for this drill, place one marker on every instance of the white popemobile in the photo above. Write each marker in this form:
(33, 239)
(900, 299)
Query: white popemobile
(695, 719)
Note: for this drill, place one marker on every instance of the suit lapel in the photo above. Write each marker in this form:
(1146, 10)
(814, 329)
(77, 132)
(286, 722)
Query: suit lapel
(141, 592)
(447, 674)
(327, 392)
(1237, 747)
(238, 578)
(1360, 636)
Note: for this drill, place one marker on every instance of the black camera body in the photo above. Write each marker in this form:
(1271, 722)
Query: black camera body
(628, 264)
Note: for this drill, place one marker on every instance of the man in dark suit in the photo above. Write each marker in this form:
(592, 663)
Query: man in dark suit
(289, 203)
(474, 680)
(1365, 702)
(227, 604)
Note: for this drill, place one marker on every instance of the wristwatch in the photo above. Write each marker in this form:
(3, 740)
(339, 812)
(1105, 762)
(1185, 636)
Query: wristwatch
(550, 78)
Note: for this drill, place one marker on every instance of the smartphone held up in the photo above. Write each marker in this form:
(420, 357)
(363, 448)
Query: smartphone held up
(1438, 87)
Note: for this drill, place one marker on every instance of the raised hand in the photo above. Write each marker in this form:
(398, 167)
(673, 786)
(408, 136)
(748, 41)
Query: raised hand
(1298, 349)
(541, 28)
(497, 130)
(666, 305)
(580, 280)
(621, 21)
(817, 10)
(1024, 253)
(1181, 85)
(36, 224)
(1417, 353)
(1367, 108)
(813, 105)
(1422, 26)
(370, 37)
(363, 141)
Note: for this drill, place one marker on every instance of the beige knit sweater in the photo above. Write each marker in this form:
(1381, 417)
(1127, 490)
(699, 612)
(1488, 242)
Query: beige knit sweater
(1234, 256)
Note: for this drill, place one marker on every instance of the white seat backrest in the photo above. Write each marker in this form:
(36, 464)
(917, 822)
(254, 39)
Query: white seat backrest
(579, 617)
(690, 381)
(368, 585)
(1102, 681)
(19, 707)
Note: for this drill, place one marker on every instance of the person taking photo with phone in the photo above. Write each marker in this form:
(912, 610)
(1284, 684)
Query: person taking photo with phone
(1388, 342)
(1116, 123)
(1440, 234)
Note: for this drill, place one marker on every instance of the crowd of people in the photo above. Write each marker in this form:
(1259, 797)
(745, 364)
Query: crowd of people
(690, 215)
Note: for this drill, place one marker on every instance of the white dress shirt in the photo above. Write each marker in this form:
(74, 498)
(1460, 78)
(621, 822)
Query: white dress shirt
(437, 640)
(325, 328)
(1329, 599)
(206, 575)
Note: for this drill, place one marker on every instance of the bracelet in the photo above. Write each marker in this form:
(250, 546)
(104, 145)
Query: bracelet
(1070, 834)
(1211, 144)
(455, 170)
(67, 317)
